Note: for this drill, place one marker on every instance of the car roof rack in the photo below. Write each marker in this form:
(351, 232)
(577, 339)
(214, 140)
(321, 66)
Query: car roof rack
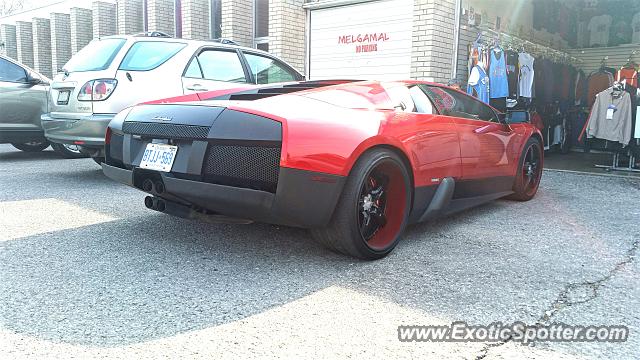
(225, 41)
(159, 34)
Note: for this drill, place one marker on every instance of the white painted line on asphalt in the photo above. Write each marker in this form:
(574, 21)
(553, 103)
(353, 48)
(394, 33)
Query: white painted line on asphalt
(19, 219)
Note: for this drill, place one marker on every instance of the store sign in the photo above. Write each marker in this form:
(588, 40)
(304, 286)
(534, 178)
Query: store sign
(364, 43)
(345, 44)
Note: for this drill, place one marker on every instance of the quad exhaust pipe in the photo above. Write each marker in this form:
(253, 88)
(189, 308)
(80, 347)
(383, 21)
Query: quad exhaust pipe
(150, 186)
(154, 203)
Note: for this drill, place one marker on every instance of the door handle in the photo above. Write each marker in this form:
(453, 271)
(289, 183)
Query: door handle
(196, 87)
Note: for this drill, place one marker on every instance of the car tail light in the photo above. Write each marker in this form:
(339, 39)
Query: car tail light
(107, 136)
(97, 90)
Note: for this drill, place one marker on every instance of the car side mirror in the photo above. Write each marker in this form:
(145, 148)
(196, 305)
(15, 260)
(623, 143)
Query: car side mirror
(33, 80)
(516, 117)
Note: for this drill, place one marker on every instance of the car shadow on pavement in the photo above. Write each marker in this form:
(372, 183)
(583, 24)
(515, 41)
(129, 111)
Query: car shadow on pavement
(149, 277)
(15, 156)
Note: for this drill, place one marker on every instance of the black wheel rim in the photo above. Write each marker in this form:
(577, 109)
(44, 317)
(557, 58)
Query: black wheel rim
(532, 168)
(382, 205)
(372, 204)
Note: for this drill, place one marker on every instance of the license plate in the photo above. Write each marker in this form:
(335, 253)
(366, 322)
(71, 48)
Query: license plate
(63, 97)
(159, 157)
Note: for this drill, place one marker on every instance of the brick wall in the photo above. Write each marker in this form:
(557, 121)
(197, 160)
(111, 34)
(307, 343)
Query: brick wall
(81, 22)
(130, 17)
(60, 40)
(8, 38)
(195, 19)
(237, 21)
(104, 19)
(433, 40)
(287, 31)
(161, 16)
(24, 41)
(42, 46)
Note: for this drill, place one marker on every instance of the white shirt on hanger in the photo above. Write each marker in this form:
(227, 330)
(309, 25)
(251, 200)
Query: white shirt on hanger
(599, 27)
(525, 75)
(635, 27)
(474, 77)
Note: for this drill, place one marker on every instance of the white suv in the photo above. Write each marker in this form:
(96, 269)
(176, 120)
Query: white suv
(115, 72)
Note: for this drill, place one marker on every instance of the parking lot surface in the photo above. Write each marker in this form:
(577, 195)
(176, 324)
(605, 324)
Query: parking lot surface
(87, 271)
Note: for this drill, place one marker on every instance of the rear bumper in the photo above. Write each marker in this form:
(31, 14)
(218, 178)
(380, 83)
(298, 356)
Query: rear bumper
(87, 131)
(303, 198)
(20, 136)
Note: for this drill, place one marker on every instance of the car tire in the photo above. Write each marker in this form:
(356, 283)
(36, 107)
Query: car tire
(529, 171)
(33, 146)
(373, 209)
(68, 151)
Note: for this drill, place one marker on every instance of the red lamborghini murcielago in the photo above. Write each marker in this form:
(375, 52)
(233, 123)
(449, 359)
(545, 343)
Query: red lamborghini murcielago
(353, 161)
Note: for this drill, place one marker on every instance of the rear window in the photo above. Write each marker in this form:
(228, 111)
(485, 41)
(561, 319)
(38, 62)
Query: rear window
(148, 55)
(97, 55)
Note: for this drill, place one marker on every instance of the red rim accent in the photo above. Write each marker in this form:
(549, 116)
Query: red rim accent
(531, 179)
(394, 202)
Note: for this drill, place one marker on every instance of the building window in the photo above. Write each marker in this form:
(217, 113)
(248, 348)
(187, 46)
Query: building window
(261, 24)
(178, 17)
(145, 16)
(216, 18)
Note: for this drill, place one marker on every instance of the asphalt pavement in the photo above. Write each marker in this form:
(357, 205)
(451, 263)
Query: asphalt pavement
(86, 271)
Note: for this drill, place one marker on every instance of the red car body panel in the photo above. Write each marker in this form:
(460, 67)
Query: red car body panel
(328, 130)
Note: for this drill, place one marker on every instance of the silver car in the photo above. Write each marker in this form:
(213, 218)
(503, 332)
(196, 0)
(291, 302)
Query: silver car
(115, 72)
(23, 98)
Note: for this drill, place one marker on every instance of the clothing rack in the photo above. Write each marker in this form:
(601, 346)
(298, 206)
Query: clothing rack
(534, 49)
(615, 165)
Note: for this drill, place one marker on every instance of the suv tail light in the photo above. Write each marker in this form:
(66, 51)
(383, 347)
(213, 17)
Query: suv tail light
(97, 90)
(107, 136)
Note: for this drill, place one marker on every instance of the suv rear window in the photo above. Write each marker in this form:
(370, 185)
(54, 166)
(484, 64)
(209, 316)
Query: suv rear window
(148, 55)
(97, 55)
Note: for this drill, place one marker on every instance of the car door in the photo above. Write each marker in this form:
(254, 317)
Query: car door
(431, 138)
(486, 143)
(213, 69)
(267, 70)
(21, 102)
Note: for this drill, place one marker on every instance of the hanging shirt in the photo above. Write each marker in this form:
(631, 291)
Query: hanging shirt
(548, 81)
(474, 55)
(599, 27)
(525, 75)
(611, 117)
(598, 82)
(498, 75)
(478, 85)
(566, 83)
(512, 72)
(579, 89)
(635, 28)
(628, 74)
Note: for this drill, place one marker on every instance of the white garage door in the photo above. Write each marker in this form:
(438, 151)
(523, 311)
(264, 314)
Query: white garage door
(362, 41)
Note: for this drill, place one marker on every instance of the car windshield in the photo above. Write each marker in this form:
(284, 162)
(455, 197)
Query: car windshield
(97, 55)
(148, 55)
